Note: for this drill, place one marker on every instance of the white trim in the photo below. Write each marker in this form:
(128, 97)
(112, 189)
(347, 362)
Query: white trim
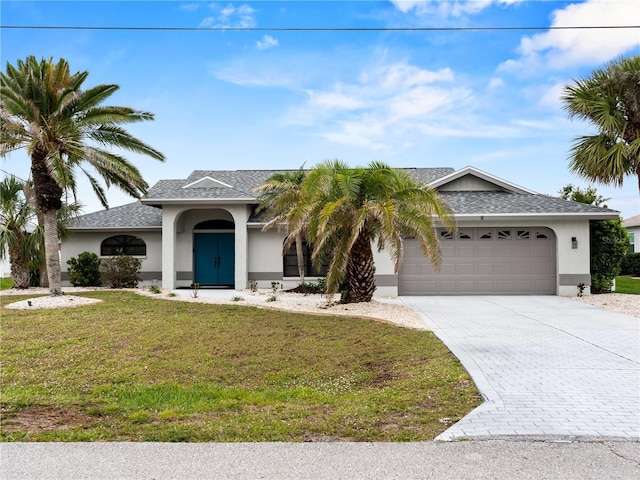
(197, 201)
(205, 179)
(512, 187)
(111, 229)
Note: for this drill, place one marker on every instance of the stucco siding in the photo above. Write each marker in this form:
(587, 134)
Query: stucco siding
(78, 242)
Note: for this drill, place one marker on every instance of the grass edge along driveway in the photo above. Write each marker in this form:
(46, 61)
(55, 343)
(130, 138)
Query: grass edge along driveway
(136, 368)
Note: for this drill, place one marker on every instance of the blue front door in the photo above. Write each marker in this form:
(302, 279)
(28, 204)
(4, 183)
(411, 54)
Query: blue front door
(214, 258)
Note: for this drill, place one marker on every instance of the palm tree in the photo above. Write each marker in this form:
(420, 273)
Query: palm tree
(44, 109)
(67, 212)
(15, 240)
(277, 196)
(609, 99)
(346, 209)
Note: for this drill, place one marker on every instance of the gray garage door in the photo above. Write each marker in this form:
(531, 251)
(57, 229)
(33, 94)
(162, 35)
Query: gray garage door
(484, 261)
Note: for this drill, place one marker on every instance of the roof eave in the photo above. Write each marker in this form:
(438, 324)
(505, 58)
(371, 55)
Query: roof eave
(539, 216)
(112, 229)
(199, 201)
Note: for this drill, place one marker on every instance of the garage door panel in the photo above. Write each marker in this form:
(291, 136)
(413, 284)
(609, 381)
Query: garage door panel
(484, 268)
(491, 261)
(465, 269)
(466, 251)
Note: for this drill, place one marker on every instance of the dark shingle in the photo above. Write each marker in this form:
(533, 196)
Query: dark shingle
(465, 203)
(130, 215)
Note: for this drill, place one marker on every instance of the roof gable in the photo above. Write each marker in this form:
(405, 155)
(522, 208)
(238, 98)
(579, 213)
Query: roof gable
(207, 182)
(471, 179)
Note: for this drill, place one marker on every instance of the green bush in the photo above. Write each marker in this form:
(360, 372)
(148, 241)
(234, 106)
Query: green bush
(609, 245)
(121, 271)
(85, 270)
(631, 264)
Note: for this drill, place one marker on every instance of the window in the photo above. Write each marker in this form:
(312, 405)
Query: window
(464, 236)
(523, 234)
(123, 245)
(290, 263)
(541, 235)
(504, 234)
(446, 235)
(632, 239)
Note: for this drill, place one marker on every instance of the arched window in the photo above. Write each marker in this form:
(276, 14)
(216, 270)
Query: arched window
(290, 263)
(123, 245)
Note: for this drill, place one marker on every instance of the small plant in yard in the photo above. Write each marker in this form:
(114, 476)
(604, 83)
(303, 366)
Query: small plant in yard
(121, 271)
(154, 289)
(272, 298)
(171, 294)
(253, 286)
(581, 287)
(237, 298)
(84, 271)
(195, 290)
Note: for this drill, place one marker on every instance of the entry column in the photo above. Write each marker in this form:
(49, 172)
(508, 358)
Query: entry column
(240, 216)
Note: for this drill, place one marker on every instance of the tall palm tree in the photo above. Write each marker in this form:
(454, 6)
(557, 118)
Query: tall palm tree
(609, 99)
(15, 240)
(346, 209)
(67, 212)
(44, 109)
(277, 196)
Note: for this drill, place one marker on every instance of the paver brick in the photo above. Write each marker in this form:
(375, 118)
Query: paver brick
(545, 365)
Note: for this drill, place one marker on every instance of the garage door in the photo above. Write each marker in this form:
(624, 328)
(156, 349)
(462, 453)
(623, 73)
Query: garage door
(483, 261)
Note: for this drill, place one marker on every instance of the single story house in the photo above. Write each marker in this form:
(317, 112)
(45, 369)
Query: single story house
(632, 224)
(204, 229)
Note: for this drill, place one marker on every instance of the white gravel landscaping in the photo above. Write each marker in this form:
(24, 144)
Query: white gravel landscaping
(389, 309)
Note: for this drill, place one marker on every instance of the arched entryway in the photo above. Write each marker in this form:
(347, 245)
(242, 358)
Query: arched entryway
(214, 253)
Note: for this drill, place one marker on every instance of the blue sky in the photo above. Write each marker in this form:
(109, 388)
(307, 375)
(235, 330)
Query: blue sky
(276, 99)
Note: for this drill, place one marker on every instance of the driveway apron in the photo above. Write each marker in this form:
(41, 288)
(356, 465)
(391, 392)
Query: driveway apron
(546, 366)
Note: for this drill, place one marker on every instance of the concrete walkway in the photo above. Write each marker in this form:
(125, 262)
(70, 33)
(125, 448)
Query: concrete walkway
(547, 366)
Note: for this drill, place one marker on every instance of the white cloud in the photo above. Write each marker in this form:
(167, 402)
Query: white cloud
(453, 8)
(495, 82)
(385, 103)
(558, 49)
(267, 42)
(240, 16)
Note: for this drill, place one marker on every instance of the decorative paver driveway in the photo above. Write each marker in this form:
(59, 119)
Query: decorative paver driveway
(547, 366)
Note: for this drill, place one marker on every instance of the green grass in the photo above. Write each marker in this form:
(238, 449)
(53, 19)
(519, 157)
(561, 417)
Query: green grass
(6, 283)
(628, 285)
(136, 368)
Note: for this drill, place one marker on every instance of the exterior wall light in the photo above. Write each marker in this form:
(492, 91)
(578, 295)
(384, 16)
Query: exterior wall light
(574, 243)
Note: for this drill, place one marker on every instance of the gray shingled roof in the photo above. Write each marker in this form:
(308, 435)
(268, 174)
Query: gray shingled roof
(470, 203)
(134, 215)
(244, 181)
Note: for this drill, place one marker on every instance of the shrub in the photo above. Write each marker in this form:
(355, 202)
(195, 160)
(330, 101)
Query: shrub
(609, 245)
(85, 270)
(121, 271)
(631, 264)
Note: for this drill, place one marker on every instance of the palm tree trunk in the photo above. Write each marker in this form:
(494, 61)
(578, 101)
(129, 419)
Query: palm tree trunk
(300, 255)
(48, 201)
(19, 266)
(44, 279)
(360, 271)
(52, 252)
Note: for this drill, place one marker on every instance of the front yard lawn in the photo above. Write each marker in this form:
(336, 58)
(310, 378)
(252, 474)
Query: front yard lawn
(137, 368)
(628, 285)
